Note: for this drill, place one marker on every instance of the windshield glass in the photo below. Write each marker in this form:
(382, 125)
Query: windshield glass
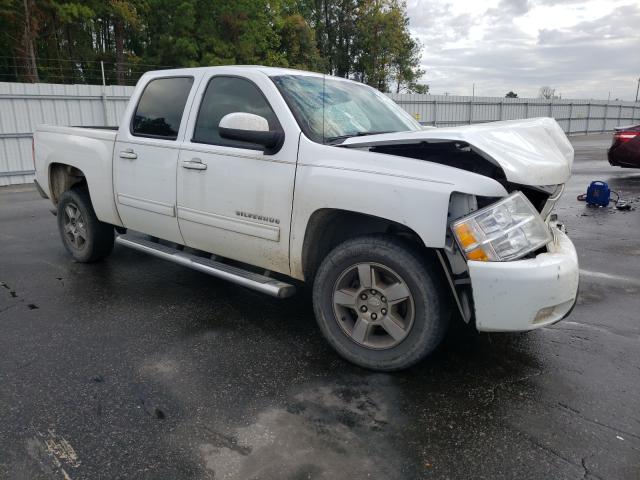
(350, 109)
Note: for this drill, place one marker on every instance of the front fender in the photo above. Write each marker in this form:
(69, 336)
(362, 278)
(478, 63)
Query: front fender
(414, 193)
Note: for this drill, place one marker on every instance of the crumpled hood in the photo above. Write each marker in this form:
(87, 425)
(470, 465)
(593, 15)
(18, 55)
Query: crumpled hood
(530, 152)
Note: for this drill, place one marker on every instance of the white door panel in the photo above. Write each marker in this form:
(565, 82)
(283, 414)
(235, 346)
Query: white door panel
(234, 200)
(239, 207)
(146, 189)
(146, 155)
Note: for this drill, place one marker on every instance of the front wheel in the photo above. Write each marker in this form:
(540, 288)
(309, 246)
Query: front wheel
(380, 303)
(85, 237)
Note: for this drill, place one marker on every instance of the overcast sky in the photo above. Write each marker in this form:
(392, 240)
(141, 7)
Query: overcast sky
(583, 49)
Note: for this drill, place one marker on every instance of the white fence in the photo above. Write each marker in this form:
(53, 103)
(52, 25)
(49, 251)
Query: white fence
(24, 106)
(574, 116)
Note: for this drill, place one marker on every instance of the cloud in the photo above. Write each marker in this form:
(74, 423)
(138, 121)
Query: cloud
(510, 8)
(580, 48)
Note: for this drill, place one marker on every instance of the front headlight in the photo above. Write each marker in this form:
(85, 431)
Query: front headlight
(504, 230)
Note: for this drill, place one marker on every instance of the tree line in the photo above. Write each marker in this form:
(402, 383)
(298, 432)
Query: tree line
(61, 41)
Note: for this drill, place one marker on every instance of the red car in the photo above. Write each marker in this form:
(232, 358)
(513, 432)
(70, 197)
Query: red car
(625, 149)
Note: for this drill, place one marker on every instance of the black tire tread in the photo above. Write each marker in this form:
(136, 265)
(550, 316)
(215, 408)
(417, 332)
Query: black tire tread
(426, 278)
(102, 235)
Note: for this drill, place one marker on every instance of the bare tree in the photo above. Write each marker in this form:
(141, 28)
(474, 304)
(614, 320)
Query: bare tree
(118, 33)
(31, 70)
(547, 92)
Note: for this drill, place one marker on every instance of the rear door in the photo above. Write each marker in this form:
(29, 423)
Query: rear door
(146, 156)
(235, 199)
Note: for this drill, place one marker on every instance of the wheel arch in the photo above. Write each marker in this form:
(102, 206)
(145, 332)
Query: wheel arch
(63, 177)
(328, 227)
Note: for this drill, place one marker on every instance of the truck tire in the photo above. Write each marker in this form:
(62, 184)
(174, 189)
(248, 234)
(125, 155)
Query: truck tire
(85, 237)
(380, 303)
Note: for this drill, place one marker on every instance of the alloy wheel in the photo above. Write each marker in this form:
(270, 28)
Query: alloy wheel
(75, 228)
(373, 305)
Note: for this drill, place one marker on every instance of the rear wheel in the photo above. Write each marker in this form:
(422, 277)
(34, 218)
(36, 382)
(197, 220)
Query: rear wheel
(380, 303)
(85, 237)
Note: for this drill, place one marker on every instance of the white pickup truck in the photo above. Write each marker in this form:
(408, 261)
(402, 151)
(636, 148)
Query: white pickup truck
(270, 177)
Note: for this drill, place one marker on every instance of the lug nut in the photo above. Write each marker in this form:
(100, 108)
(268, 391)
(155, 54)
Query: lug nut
(383, 311)
(363, 296)
(373, 316)
(383, 299)
(363, 309)
(373, 292)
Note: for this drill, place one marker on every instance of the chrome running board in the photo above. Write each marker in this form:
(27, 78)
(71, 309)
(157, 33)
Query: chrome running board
(236, 275)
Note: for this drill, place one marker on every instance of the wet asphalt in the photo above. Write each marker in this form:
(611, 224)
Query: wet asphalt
(137, 368)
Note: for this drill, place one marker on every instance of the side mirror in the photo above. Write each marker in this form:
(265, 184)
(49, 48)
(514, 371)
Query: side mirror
(247, 127)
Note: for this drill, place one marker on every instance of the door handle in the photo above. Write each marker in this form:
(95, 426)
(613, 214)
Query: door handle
(194, 164)
(128, 153)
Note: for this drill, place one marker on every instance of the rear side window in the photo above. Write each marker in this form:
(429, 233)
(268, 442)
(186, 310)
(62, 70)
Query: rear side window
(226, 95)
(159, 111)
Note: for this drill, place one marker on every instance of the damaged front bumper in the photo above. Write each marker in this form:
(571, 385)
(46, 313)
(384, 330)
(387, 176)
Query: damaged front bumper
(526, 294)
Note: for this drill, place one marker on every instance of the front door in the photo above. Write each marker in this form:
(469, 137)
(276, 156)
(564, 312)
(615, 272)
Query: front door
(234, 199)
(146, 157)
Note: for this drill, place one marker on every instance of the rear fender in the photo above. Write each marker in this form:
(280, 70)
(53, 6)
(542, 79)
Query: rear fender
(90, 155)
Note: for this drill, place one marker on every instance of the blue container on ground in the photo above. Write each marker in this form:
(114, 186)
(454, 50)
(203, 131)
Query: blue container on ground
(598, 194)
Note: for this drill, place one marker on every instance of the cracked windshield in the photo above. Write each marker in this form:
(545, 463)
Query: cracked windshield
(350, 109)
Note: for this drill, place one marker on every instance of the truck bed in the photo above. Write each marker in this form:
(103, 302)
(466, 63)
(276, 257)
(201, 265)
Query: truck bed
(104, 133)
(90, 150)
(97, 127)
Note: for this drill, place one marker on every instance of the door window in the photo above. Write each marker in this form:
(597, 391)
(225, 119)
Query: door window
(159, 111)
(226, 95)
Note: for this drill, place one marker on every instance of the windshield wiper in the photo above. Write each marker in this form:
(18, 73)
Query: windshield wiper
(332, 140)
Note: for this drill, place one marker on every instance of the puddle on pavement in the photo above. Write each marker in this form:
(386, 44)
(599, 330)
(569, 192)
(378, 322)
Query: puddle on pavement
(324, 432)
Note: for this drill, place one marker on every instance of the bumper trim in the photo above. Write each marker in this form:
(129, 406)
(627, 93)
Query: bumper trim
(573, 306)
(447, 273)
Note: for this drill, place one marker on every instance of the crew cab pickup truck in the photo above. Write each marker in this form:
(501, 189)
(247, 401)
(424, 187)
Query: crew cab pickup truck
(272, 177)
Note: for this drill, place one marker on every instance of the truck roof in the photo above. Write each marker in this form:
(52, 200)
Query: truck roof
(268, 71)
